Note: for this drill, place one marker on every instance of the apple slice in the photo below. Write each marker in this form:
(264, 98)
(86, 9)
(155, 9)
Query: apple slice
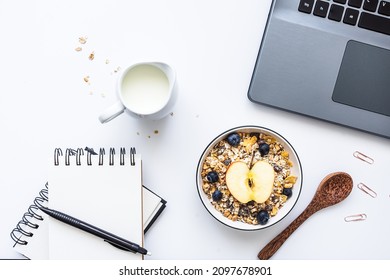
(237, 181)
(246, 185)
(263, 176)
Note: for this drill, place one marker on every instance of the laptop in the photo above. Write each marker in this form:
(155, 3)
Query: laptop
(328, 59)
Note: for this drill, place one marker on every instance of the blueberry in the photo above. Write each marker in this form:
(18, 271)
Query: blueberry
(217, 195)
(234, 139)
(277, 168)
(212, 177)
(263, 149)
(262, 217)
(227, 162)
(287, 192)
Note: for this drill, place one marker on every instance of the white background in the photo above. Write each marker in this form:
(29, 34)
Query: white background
(45, 103)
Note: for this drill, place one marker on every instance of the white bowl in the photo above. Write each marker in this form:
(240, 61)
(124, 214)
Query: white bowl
(296, 170)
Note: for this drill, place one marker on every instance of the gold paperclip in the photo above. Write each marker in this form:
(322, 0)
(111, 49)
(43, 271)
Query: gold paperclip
(363, 157)
(367, 190)
(355, 218)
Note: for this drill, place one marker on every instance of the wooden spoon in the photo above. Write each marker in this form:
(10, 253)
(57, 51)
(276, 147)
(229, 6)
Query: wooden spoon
(333, 189)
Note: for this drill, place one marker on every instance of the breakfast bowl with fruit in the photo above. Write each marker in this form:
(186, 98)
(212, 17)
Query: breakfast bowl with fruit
(249, 177)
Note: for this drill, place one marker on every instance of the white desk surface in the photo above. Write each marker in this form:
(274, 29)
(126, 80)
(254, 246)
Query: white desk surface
(45, 103)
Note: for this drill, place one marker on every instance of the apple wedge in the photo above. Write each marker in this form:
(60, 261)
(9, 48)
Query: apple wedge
(263, 176)
(246, 185)
(237, 181)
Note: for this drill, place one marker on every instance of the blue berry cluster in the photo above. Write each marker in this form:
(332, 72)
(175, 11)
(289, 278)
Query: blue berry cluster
(212, 177)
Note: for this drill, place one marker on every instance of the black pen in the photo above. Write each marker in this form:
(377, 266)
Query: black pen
(109, 237)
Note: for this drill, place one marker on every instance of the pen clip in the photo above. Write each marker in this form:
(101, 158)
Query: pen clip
(120, 247)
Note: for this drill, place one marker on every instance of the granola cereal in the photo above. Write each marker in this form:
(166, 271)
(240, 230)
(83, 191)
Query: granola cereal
(249, 150)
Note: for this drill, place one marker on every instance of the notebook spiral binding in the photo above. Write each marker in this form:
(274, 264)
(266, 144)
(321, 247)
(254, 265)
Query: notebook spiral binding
(30, 218)
(28, 221)
(78, 153)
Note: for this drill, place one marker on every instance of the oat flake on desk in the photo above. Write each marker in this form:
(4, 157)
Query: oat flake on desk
(83, 40)
(91, 56)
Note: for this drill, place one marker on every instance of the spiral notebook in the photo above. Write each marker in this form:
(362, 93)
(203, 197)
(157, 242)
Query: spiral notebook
(103, 190)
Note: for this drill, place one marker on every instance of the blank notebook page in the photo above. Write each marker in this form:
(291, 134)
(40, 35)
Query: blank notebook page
(106, 196)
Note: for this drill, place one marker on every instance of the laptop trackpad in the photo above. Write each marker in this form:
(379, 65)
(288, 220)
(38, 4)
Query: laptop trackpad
(364, 78)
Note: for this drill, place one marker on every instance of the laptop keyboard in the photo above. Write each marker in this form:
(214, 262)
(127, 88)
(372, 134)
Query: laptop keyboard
(368, 14)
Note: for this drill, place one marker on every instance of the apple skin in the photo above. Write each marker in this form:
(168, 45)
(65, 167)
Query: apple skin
(261, 177)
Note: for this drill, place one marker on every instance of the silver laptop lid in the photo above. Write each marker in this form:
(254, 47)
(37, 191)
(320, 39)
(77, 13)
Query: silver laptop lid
(323, 59)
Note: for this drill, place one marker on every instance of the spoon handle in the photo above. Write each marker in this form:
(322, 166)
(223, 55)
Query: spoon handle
(274, 245)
